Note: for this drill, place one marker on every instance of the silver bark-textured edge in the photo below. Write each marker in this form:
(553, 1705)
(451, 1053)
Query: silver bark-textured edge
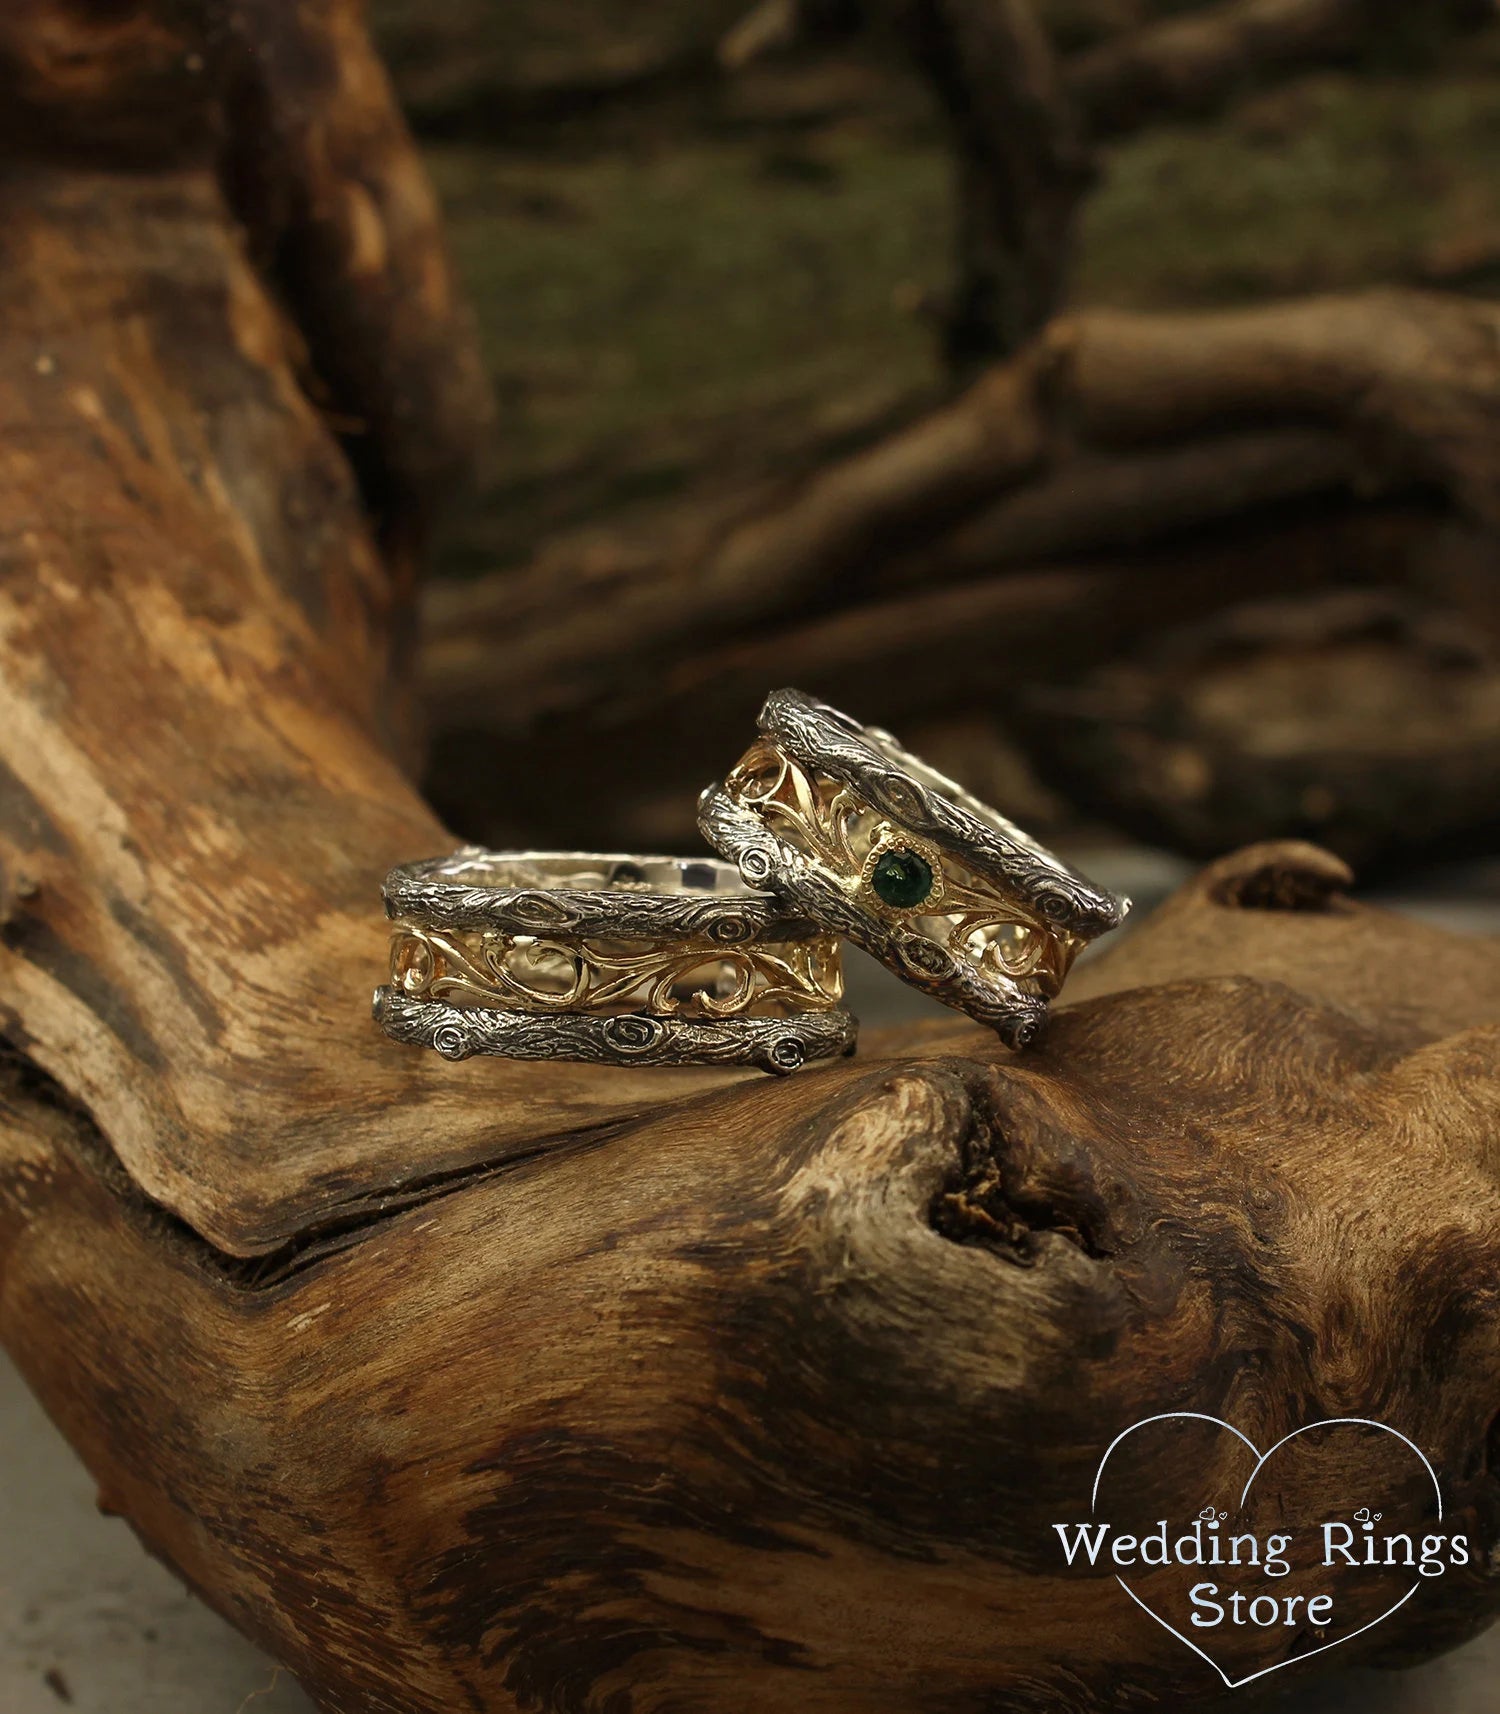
(778, 1045)
(510, 891)
(738, 834)
(927, 803)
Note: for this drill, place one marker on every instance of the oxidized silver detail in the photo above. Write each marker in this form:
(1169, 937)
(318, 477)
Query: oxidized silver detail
(610, 959)
(778, 1045)
(580, 893)
(934, 807)
(818, 798)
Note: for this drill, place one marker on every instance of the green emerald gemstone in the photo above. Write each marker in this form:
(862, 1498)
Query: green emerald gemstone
(902, 879)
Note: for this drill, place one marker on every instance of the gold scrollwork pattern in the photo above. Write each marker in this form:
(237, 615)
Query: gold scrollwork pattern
(832, 825)
(699, 979)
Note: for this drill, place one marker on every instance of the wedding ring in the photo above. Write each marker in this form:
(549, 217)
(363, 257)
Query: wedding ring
(612, 959)
(853, 832)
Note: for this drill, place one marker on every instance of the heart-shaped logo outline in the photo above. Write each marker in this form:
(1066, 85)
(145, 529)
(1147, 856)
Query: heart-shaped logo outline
(1262, 1459)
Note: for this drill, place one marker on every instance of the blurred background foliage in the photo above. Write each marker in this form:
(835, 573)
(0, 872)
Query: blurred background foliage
(687, 279)
(696, 285)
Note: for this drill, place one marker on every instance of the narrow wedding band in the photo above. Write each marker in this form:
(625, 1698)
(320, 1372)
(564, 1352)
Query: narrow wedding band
(610, 959)
(854, 832)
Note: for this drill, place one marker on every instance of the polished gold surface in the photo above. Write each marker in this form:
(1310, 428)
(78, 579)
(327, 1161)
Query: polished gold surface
(686, 979)
(831, 826)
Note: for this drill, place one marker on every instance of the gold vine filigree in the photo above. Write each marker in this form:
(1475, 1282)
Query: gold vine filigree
(828, 821)
(694, 979)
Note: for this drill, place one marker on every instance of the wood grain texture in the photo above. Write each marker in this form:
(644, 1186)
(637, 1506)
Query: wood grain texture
(656, 1421)
(510, 1388)
(1133, 408)
(1085, 546)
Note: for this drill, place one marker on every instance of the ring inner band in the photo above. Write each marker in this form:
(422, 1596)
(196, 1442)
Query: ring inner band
(578, 871)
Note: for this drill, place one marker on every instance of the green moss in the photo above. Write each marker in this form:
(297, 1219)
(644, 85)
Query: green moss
(705, 310)
(1334, 183)
(700, 300)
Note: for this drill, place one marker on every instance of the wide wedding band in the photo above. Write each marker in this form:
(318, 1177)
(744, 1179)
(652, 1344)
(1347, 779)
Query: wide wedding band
(854, 832)
(611, 959)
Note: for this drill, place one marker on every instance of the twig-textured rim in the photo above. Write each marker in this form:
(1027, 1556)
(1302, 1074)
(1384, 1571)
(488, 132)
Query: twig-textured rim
(773, 1044)
(919, 798)
(634, 897)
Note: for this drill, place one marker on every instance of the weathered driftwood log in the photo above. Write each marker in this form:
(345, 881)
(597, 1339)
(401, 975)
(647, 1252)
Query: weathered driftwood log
(1362, 718)
(1123, 476)
(768, 1396)
(508, 1387)
(1158, 423)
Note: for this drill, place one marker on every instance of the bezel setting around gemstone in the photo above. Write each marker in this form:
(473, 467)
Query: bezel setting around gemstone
(893, 843)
